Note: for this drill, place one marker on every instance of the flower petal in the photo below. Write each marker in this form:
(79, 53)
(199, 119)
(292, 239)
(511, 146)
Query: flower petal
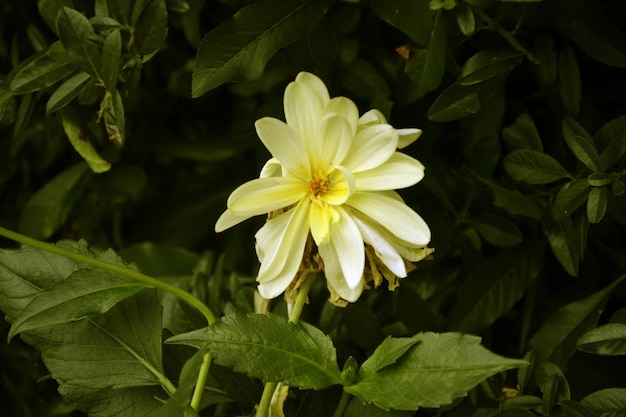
(280, 246)
(315, 84)
(346, 109)
(385, 250)
(345, 247)
(336, 140)
(262, 195)
(400, 171)
(341, 287)
(284, 145)
(407, 136)
(371, 147)
(272, 168)
(342, 186)
(393, 215)
(372, 117)
(335, 275)
(227, 220)
(304, 101)
(319, 220)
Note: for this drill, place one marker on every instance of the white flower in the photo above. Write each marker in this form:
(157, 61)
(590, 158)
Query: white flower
(331, 175)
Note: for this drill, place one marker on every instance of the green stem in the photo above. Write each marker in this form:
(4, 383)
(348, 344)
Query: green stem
(129, 273)
(294, 317)
(343, 403)
(506, 35)
(202, 376)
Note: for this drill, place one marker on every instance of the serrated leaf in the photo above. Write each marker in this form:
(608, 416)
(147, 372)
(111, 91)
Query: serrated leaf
(426, 66)
(610, 402)
(411, 17)
(570, 85)
(556, 339)
(85, 293)
(437, 370)
(82, 144)
(39, 73)
(533, 167)
(611, 140)
(113, 402)
(47, 210)
(238, 49)
(75, 33)
(151, 27)
(111, 59)
(68, 91)
(487, 65)
(522, 134)
(356, 408)
(388, 352)
(609, 339)
(495, 286)
(570, 196)
(581, 144)
(596, 204)
(497, 230)
(456, 102)
(270, 348)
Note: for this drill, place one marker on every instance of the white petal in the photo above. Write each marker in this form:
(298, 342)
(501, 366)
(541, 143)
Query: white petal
(336, 140)
(371, 147)
(399, 171)
(372, 117)
(262, 195)
(393, 215)
(304, 105)
(272, 168)
(345, 246)
(346, 109)
(341, 287)
(227, 220)
(384, 249)
(315, 84)
(284, 145)
(280, 245)
(407, 136)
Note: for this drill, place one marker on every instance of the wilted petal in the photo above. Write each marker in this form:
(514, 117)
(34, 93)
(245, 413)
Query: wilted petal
(336, 141)
(383, 248)
(371, 147)
(399, 171)
(262, 195)
(284, 145)
(227, 220)
(393, 215)
(280, 246)
(407, 136)
(345, 247)
(346, 109)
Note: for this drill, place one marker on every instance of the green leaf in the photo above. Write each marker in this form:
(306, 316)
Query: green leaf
(356, 408)
(610, 402)
(497, 230)
(151, 27)
(596, 204)
(609, 339)
(47, 210)
(533, 167)
(495, 286)
(426, 66)
(522, 134)
(24, 113)
(594, 34)
(114, 117)
(39, 73)
(548, 60)
(571, 196)
(434, 372)
(456, 102)
(513, 201)
(611, 139)
(556, 339)
(599, 179)
(68, 91)
(581, 144)
(6, 98)
(111, 59)
(85, 293)
(415, 312)
(270, 348)
(487, 65)
(238, 49)
(387, 353)
(75, 33)
(564, 243)
(113, 402)
(618, 187)
(575, 409)
(553, 385)
(49, 10)
(569, 81)
(465, 19)
(82, 144)
(411, 17)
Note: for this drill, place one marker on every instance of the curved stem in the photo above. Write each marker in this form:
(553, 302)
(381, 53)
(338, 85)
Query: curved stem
(129, 273)
(202, 376)
(343, 403)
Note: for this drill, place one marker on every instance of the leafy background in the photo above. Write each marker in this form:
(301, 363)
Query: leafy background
(127, 124)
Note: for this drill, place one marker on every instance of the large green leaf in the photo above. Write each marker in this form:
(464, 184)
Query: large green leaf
(238, 49)
(434, 372)
(610, 402)
(411, 17)
(556, 339)
(533, 167)
(487, 65)
(387, 353)
(611, 141)
(570, 196)
(41, 72)
(513, 201)
(456, 102)
(597, 204)
(426, 66)
(111, 59)
(68, 91)
(76, 34)
(270, 348)
(495, 286)
(609, 339)
(150, 27)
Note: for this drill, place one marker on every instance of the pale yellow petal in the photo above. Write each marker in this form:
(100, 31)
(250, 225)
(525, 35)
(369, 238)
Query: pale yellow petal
(383, 248)
(393, 215)
(372, 117)
(335, 141)
(346, 109)
(320, 219)
(315, 84)
(407, 136)
(227, 220)
(284, 145)
(341, 186)
(272, 168)
(399, 171)
(304, 106)
(262, 195)
(371, 147)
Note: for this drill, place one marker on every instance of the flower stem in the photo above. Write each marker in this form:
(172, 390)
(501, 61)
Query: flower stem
(506, 35)
(294, 317)
(202, 376)
(128, 273)
(343, 403)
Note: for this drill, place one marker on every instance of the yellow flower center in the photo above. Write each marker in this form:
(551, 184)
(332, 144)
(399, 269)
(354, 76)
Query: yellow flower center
(317, 186)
